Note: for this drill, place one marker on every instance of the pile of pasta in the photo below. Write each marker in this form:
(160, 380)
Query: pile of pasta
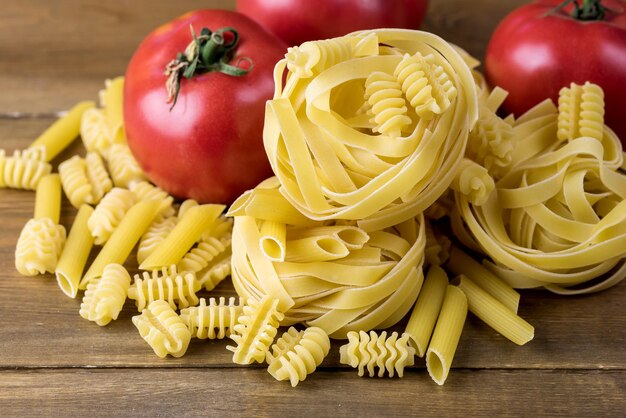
(379, 141)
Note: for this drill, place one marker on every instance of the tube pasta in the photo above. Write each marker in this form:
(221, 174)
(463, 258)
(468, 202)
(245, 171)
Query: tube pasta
(163, 330)
(24, 169)
(273, 238)
(461, 263)
(494, 313)
(388, 354)
(203, 320)
(123, 167)
(75, 253)
(105, 295)
(446, 335)
(185, 234)
(424, 316)
(168, 285)
(109, 213)
(63, 132)
(48, 198)
(124, 238)
(297, 354)
(329, 165)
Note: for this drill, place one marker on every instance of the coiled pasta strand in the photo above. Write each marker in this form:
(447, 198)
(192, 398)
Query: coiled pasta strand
(297, 354)
(255, 330)
(123, 167)
(146, 191)
(372, 351)
(109, 213)
(163, 330)
(581, 112)
(384, 95)
(23, 169)
(39, 247)
(155, 234)
(426, 85)
(168, 285)
(205, 319)
(105, 296)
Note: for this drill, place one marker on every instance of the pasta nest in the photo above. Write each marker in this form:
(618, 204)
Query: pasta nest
(556, 218)
(334, 276)
(371, 126)
(39, 247)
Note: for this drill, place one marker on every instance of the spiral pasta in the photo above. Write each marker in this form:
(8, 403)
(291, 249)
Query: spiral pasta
(332, 163)
(212, 320)
(155, 234)
(388, 354)
(200, 256)
(163, 330)
(146, 191)
(217, 270)
(39, 247)
(581, 112)
(85, 180)
(123, 167)
(255, 330)
(168, 285)
(94, 131)
(105, 296)
(297, 354)
(23, 169)
(109, 213)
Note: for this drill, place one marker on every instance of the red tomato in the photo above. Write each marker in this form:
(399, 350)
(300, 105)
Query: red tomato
(209, 145)
(537, 49)
(297, 21)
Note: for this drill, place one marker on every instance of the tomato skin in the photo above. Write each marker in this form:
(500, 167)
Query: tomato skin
(297, 21)
(534, 52)
(209, 146)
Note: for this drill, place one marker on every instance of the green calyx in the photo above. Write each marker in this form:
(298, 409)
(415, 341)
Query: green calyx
(207, 52)
(589, 10)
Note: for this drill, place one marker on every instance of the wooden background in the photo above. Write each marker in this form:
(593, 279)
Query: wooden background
(53, 362)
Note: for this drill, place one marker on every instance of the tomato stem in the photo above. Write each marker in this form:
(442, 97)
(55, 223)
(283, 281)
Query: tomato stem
(207, 52)
(589, 10)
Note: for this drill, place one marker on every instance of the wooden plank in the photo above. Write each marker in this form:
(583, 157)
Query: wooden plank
(245, 392)
(55, 54)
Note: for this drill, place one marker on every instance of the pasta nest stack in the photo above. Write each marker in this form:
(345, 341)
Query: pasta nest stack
(556, 214)
(369, 127)
(332, 274)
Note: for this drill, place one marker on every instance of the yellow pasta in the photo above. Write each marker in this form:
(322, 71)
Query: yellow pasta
(167, 284)
(474, 182)
(331, 161)
(105, 296)
(372, 351)
(185, 206)
(24, 169)
(124, 238)
(494, 313)
(200, 256)
(311, 249)
(185, 234)
(437, 250)
(109, 213)
(155, 234)
(581, 112)
(461, 263)
(163, 330)
(146, 191)
(42, 239)
(98, 177)
(255, 330)
(84, 180)
(94, 131)
(273, 240)
(213, 320)
(446, 335)
(297, 354)
(63, 132)
(424, 316)
(123, 167)
(218, 269)
(384, 96)
(112, 104)
(69, 269)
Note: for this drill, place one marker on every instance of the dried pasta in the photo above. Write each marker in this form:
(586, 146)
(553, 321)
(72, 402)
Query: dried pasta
(24, 169)
(200, 256)
(296, 354)
(85, 180)
(146, 191)
(163, 330)
(112, 104)
(332, 162)
(176, 288)
(123, 167)
(105, 296)
(109, 213)
(255, 330)
(94, 131)
(581, 112)
(155, 234)
(214, 320)
(372, 351)
(446, 335)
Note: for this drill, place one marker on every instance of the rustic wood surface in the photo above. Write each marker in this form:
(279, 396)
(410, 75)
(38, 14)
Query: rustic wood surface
(53, 362)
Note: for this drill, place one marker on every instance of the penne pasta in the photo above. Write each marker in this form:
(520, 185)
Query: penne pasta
(447, 333)
(73, 259)
(48, 198)
(111, 100)
(273, 237)
(184, 235)
(494, 313)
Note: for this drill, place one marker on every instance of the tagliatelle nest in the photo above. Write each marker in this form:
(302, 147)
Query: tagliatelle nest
(371, 126)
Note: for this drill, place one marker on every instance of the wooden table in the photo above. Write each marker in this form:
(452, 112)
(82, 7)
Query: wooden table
(53, 362)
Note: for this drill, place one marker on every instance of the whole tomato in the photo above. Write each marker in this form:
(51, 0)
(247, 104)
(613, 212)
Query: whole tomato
(541, 47)
(205, 140)
(298, 21)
